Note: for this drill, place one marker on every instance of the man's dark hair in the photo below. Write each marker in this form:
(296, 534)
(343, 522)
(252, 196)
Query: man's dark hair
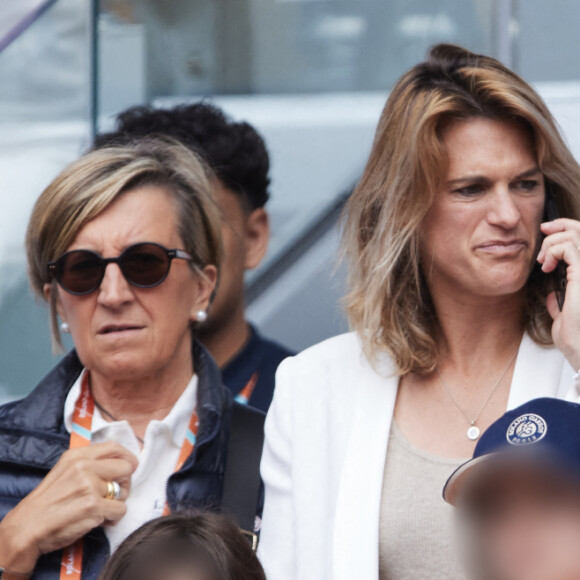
(235, 151)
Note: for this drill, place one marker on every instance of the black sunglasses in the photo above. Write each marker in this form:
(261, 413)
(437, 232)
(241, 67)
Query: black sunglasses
(143, 265)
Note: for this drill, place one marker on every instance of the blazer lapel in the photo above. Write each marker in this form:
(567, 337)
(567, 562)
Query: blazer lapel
(356, 533)
(539, 372)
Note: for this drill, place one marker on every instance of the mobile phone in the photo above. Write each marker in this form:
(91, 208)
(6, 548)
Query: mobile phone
(559, 277)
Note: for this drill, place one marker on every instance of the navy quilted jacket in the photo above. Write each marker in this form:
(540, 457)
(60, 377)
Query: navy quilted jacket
(33, 437)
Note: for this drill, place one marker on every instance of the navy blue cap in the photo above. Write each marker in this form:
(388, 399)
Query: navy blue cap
(538, 429)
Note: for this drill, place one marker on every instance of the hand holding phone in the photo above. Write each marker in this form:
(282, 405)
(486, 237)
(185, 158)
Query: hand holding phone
(559, 275)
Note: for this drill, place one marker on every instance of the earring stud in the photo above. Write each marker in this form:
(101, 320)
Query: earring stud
(64, 327)
(201, 315)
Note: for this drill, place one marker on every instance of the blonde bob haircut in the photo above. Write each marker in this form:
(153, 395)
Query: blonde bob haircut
(388, 302)
(92, 183)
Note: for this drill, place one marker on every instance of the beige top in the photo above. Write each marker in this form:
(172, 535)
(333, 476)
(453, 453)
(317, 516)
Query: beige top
(416, 536)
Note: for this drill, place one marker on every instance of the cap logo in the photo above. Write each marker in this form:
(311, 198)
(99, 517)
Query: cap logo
(526, 429)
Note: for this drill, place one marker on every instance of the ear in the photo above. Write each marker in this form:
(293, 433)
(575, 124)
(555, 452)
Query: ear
(257, 237)
(205, 286)
(48, 289)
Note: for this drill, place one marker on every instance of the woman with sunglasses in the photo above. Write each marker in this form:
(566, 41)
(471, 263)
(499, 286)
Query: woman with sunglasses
(125, 247)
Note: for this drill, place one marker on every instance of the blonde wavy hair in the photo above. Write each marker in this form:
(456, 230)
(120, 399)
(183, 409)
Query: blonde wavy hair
(388, 302)
(89, 185)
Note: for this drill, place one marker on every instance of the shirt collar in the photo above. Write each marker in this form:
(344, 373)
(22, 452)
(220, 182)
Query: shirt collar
(176, 421)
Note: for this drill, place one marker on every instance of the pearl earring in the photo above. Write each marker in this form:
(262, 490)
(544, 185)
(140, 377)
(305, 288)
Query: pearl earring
(64, 327)
(201, 315)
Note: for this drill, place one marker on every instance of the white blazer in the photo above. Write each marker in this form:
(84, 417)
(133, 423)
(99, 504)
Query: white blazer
(326, 441)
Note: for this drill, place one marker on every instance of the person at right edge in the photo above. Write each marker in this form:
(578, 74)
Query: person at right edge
(237, 154)
(518, 498)
(452, 247)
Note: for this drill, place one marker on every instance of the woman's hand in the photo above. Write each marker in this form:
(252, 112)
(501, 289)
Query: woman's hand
(562, 242)
(68, 503)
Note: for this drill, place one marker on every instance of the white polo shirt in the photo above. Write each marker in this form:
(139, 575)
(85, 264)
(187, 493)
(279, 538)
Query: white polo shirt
(162, 443)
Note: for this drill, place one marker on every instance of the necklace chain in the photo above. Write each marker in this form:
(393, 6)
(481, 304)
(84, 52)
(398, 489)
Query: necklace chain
(473, 421)
(112, 417)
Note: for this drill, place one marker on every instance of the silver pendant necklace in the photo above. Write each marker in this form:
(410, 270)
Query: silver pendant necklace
(473, 431)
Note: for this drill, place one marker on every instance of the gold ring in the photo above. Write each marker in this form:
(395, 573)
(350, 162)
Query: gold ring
(113, 490)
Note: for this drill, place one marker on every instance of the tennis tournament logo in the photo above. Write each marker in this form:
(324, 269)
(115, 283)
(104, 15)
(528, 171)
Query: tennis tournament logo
(526, 429)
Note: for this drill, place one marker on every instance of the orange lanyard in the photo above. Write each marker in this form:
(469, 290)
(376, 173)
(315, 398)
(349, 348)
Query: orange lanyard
(81, 433)
(244, 396)
(80, 436)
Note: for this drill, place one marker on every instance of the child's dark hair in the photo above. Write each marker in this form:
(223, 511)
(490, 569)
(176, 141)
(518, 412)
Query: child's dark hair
(206, 544)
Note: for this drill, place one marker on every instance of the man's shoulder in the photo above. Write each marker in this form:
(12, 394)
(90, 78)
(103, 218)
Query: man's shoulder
(273, 350)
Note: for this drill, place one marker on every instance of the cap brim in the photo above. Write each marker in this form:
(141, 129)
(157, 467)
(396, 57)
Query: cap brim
(460, 476)
(550, 457)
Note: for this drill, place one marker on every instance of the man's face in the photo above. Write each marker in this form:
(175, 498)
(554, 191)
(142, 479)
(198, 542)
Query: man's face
(245, 235)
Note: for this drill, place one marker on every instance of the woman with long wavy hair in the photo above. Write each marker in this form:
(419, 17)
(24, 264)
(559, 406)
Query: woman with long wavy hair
(453, 250)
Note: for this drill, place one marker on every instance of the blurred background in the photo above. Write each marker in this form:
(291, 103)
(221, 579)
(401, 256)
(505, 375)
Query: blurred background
(311, 75)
